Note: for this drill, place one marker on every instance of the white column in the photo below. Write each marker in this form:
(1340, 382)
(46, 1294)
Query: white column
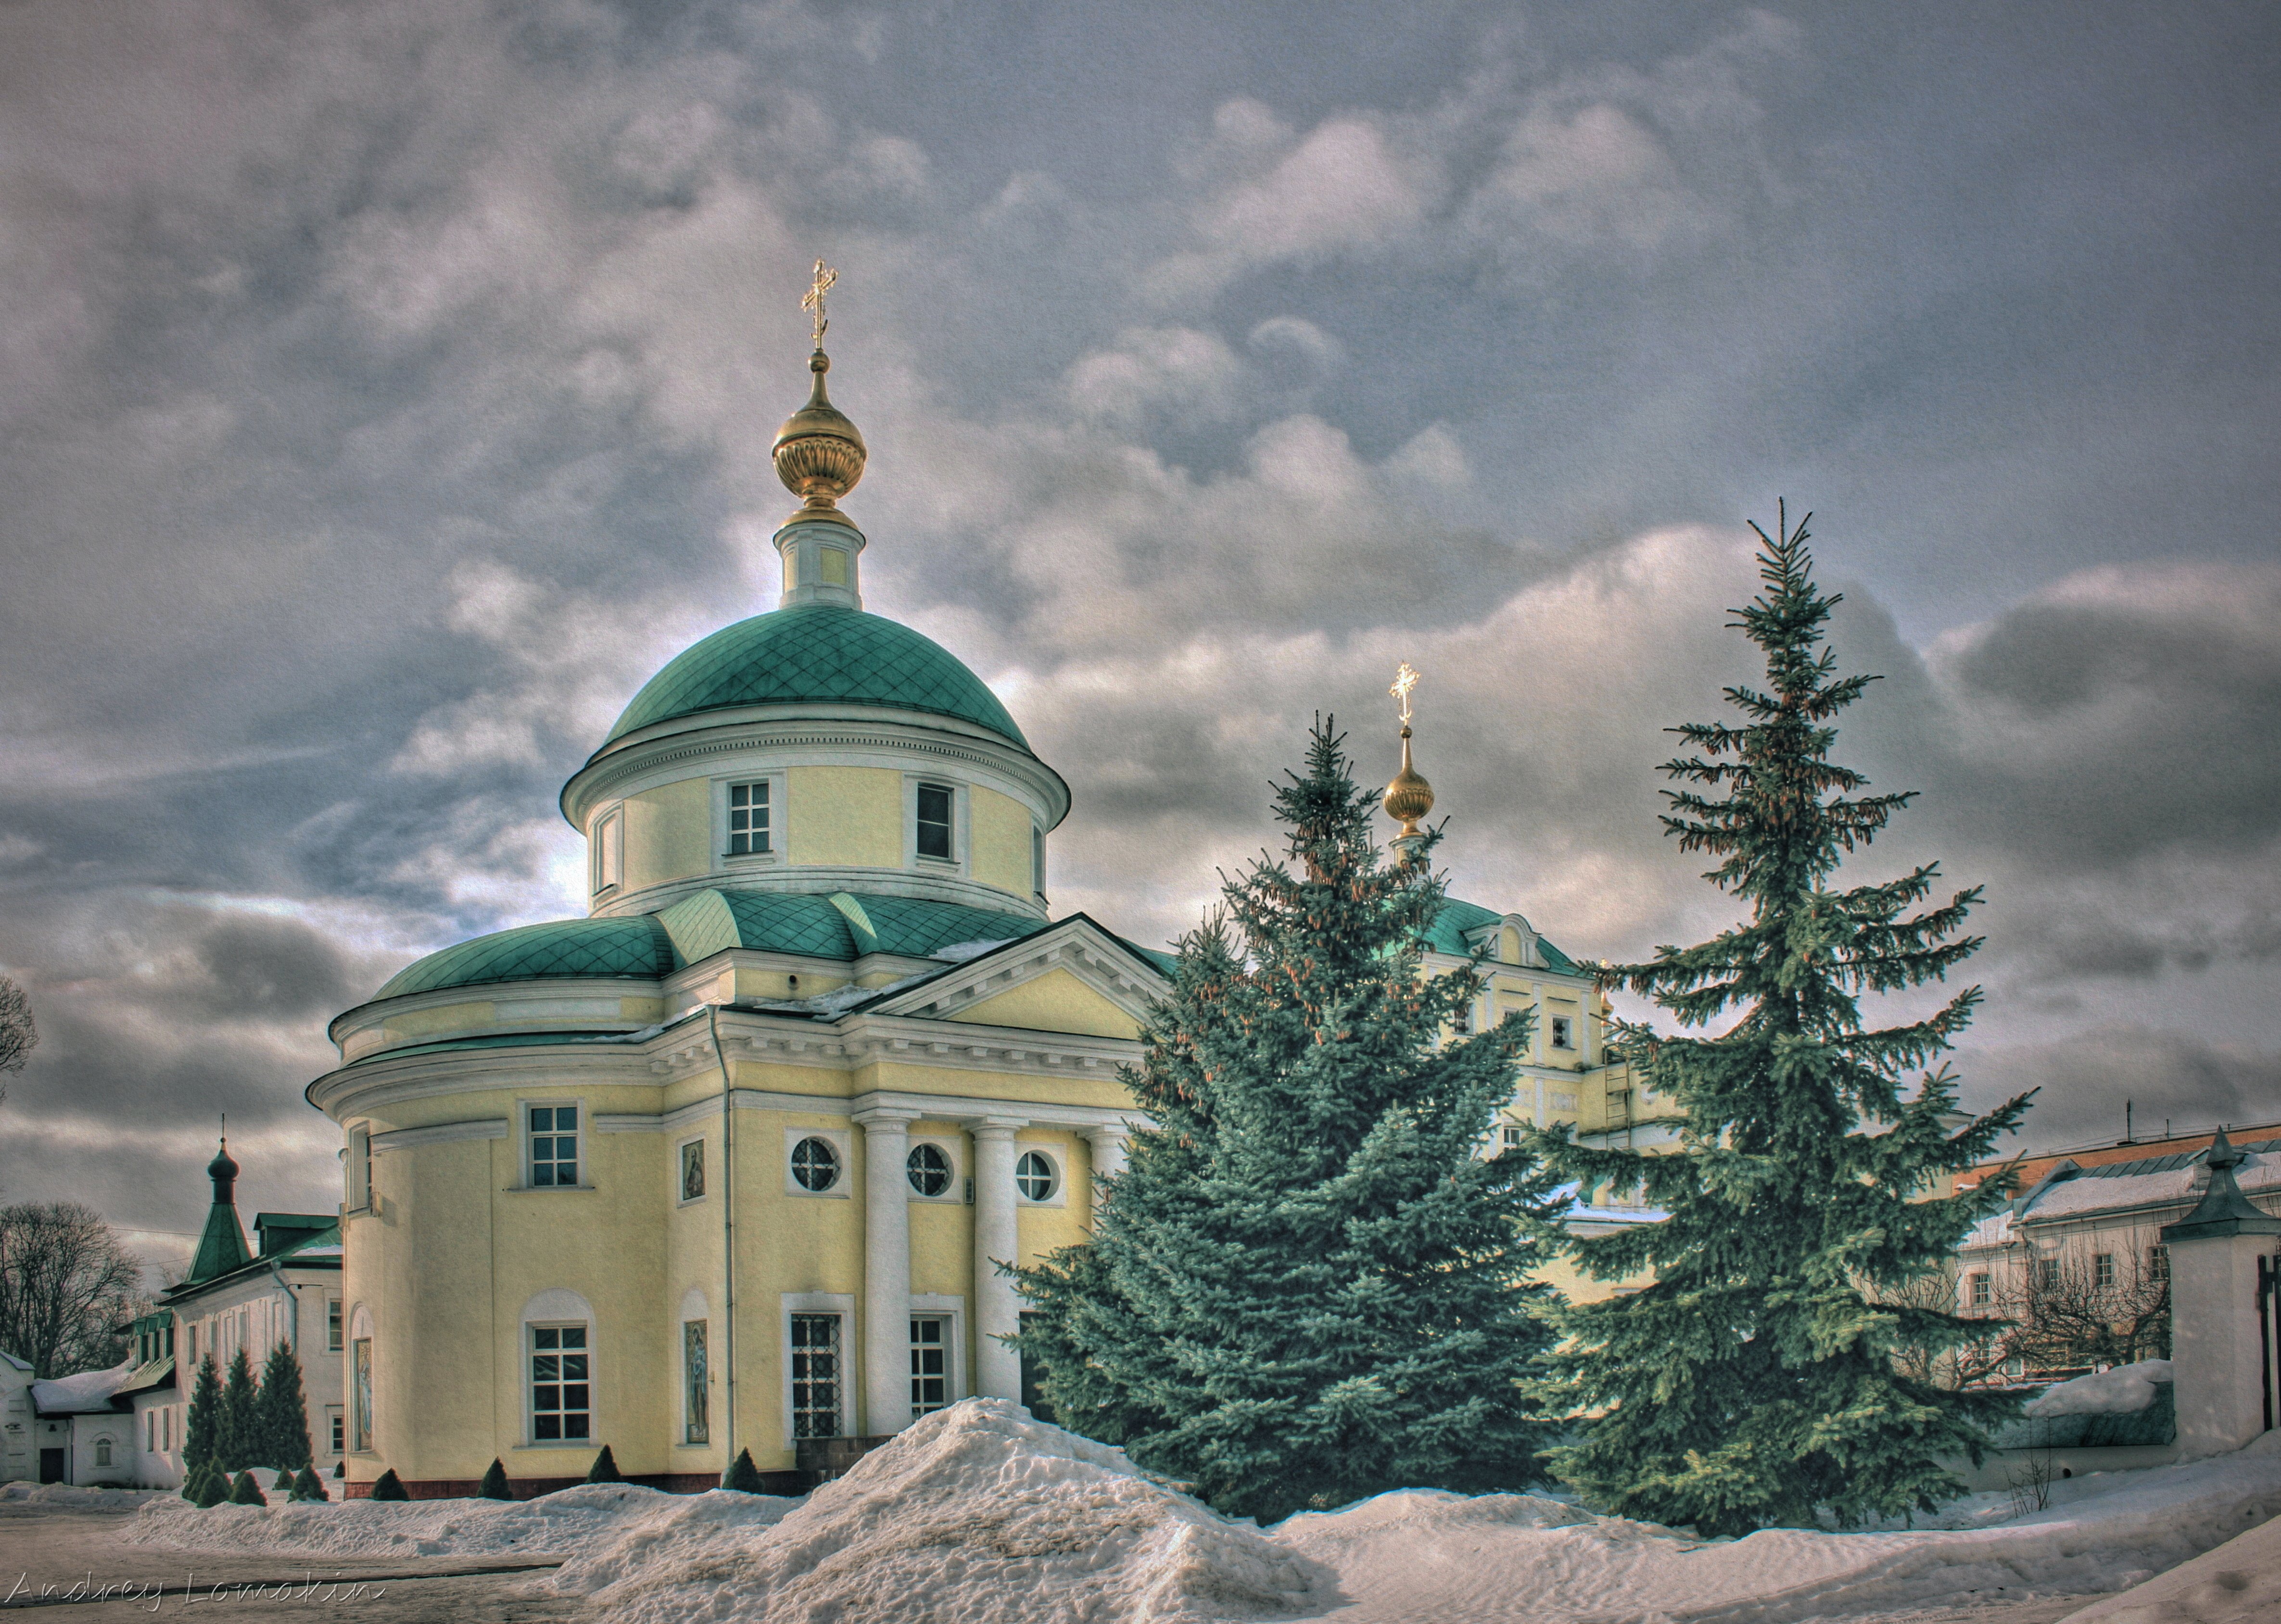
(1108, 1143)
(887, 1272)
(997, 1310)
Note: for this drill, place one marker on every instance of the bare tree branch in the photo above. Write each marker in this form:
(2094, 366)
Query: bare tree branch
(19, 1035)
(66, 1283)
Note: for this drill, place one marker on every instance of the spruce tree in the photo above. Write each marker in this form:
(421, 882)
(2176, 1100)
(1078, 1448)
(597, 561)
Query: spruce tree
(1753, 1383)
(605, 1469)
(494, 1484)
(390, 1487)
(745, 1477)
(283, 1415)
(212, 1485)
(246, 1491)
(308, 1486)
(202, 1429)
(237, 1436)
(1309, 1285)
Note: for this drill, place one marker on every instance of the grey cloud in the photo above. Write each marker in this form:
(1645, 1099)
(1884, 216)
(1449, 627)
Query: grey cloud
(2167, 1076)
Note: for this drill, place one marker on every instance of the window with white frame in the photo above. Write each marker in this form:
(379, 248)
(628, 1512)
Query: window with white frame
(102, 1452)
(692, 1170)
(816, 1375)
(609, 850)
(1037, 860)
(937, 808)
(1564, 1032)
(2158, 1262)
(1979, 1293)
(696, 1375)
(1036, 1177)
(359, 1165)
(929, 1362)
(562, 1385)
(1509, 1140)
(927, 1169)
(332, 1325)
(2047, 1273)
(553, 1132)
(334, 1430)
(2102, 1266)
(748, 819)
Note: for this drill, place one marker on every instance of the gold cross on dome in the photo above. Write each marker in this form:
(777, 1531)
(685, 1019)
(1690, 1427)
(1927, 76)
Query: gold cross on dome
(1405, 678)
(813, 301)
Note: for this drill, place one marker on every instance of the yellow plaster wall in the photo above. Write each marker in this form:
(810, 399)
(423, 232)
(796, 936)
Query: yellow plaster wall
(1041, 1229)
(1055, 1001)
(668, 833)
(844, 816)
(999, 828)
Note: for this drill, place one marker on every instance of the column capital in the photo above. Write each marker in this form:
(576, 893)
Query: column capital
(999, 1128)
(887, 1117)
(1115, 1132)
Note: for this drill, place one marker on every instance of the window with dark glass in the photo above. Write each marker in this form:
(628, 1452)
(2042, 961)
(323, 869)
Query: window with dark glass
(561, 1406)
(748, 819)
(935, 802)
(815, 1164)
(816, 1375)
(930, 1365)
(1563, 1033)
(553, 1146)
(1033, 1176)
(928, 1170)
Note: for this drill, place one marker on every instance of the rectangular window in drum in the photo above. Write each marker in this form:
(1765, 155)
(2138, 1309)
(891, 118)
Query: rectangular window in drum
(930, 1365)
(554, 1147)
(816, 1375)
(935, 803)
(695, 1373)
(748, 819)
(561, 1387)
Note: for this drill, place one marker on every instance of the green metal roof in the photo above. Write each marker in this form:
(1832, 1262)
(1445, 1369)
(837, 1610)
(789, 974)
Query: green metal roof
(637, 946)
(817, 653)
(221, 1246)
(1456, 918)
(648, 946)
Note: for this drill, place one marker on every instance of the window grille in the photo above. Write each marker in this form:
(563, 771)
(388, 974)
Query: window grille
(930, 1365)
(1980, 1292)
(2103, 1269)
(1033, 1176)
(562, 1388)
(1563, 1033)
(748, 819)
(816, 1375)
(927, 1169)
(815, 1164)
(554, 1147)
(2158, 1262)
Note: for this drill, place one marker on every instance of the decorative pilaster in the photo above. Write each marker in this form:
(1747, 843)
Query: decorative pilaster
(997, 1310)
(887, 1272)
(2221, 1337)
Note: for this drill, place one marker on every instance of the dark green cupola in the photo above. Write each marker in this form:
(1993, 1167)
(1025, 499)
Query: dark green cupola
(221, 1246)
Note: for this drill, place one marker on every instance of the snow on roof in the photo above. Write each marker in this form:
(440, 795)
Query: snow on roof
(2089, 1192)
(2124, 1390)
(23, 1365)
(89, 1391)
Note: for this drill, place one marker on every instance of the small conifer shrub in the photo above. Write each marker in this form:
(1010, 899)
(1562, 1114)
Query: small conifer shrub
(743, 1477)
(390, 1487)
(246, 1491)
(495, 1483)
(308, 1486)
(606, 1468)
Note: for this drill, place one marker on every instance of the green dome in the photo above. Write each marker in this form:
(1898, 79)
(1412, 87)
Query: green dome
(812, 652)
(637, 946)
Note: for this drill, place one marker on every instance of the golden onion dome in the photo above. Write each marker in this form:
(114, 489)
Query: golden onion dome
(1409, 797)
(819, 453)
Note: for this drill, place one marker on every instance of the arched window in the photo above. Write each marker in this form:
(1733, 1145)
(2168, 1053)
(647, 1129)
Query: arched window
(558, 1349)
(102, 1452)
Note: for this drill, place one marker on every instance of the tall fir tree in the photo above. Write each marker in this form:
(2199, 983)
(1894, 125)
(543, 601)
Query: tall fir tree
(202, 1427)
(1309, 1285)
(281, 1412)
(1753, 1383)
(238, 1436)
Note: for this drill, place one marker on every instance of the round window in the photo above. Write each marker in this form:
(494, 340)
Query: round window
(1033, 1176)
(927, 1169)
(816, 1164)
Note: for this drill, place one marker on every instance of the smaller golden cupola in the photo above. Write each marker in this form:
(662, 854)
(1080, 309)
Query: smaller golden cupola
(820, 455)
(1409, 797)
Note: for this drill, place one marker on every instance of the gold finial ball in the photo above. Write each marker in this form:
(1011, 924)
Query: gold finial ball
(1409, 797)
(819, 453)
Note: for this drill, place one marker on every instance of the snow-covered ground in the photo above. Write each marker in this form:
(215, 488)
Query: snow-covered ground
(977, 1514)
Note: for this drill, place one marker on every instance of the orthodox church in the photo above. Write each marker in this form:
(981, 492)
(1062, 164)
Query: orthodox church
(728, 1164)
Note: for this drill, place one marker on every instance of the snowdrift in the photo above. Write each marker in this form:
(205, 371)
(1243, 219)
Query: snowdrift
(977, 1514)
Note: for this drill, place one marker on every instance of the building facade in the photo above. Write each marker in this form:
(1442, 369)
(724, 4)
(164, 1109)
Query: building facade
(732, 1163)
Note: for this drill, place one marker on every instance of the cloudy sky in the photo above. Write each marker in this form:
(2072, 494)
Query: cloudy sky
(387, 389)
